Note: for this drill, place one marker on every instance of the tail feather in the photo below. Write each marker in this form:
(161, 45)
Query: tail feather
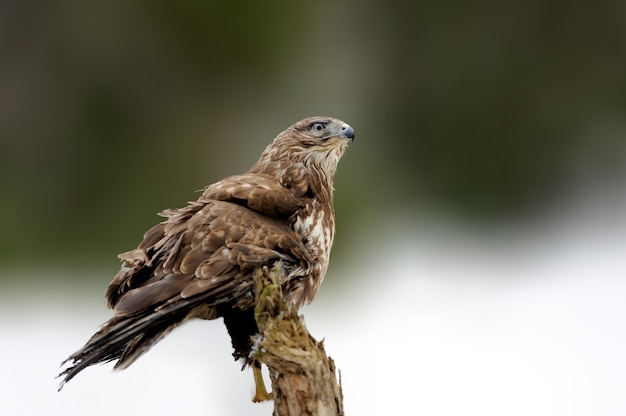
(123, 339)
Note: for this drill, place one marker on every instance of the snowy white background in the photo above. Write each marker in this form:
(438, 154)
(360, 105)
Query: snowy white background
(442, 323)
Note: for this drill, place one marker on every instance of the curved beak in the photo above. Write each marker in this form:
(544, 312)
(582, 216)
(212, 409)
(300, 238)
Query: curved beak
(347, 132)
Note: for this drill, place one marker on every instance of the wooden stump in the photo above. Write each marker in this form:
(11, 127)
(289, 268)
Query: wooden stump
(304, 378)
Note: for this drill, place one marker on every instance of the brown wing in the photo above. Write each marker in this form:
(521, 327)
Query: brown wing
(260, 193)
(205, 251)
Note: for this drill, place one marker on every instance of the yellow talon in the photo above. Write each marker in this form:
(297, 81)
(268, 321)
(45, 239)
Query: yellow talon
(260, 394)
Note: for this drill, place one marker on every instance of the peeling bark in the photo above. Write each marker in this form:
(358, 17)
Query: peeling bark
(304, 379)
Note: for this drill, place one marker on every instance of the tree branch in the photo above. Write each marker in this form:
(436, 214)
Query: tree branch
(304, 380)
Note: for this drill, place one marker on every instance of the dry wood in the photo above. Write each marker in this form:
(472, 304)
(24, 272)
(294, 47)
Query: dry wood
(304, 378)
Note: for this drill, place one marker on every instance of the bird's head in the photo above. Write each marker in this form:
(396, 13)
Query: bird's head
(313, 143)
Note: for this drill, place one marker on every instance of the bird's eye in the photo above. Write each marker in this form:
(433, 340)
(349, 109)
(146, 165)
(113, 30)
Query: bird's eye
(317, 127)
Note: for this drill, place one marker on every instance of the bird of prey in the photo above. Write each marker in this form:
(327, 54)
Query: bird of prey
(199, 262)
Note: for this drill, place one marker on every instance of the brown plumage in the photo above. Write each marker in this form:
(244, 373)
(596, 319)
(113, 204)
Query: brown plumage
(198, 263)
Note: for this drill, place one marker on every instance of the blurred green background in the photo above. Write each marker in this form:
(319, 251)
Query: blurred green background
(487, 113)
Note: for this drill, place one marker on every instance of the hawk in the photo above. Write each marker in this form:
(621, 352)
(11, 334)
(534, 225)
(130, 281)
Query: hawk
(199, 262)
